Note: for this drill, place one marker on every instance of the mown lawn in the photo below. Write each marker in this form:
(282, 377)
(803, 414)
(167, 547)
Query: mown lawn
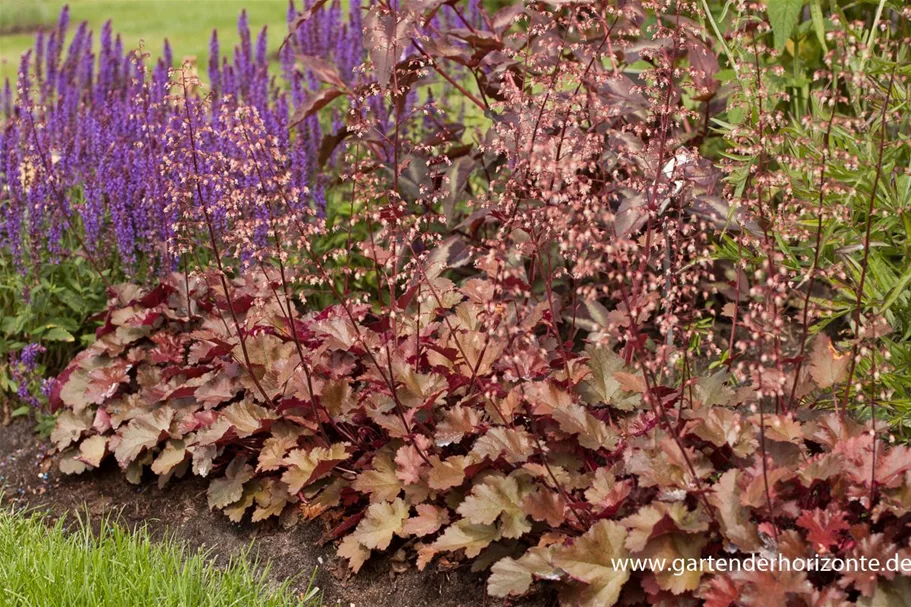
(44, 565)
(187, 24)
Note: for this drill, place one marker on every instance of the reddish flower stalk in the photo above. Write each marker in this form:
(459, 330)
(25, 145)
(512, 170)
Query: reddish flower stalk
(871, 206)
(805, 323)
(213, 244)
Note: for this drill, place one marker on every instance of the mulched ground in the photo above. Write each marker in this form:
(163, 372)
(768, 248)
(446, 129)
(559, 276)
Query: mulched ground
(29, 474)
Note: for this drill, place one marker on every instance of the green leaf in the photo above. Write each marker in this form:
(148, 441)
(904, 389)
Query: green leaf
(783, 16)
(819, 23)
(8, 325)
(897, 291)
(58, 334)
(44, 424)
(66, 322)
(21, 411)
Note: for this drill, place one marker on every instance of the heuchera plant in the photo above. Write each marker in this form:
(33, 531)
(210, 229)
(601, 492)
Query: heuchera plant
(546, 370)
(436, 438)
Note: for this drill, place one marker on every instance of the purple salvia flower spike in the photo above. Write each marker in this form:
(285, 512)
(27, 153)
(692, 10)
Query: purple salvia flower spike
(39, 54)
(7, 99)
(214, 72)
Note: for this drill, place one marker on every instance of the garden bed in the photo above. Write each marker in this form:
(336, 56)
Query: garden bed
(564, 292)
(31, 479)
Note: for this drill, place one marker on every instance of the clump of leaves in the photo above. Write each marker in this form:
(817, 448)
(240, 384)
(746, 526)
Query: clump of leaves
(47, 319)
(428, 441)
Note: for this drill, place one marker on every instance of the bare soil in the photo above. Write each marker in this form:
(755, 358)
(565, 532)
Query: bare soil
(29, 476)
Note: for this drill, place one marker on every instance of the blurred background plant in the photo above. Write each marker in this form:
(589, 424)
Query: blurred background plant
(186, 24)
(830, 91)
(23, 17)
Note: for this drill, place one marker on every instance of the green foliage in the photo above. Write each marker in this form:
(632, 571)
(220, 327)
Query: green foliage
(67, 564)
(864, 161)
(783, 16)
(53, 306)
(60, 299)
(185, 23)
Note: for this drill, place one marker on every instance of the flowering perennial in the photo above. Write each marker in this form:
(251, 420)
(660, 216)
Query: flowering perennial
(87, 143)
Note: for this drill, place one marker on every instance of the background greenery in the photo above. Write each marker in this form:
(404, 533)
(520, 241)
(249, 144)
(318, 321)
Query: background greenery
(187, 24)
(66, 564)
(803, 33)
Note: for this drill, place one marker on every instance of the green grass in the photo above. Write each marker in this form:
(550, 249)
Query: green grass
(187, 24)
(22, 16)
(44, 565)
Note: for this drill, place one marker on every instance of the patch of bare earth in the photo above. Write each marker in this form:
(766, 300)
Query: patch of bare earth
(29, 474)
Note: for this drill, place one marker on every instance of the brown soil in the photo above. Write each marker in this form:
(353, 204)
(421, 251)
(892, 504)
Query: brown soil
(31, 480)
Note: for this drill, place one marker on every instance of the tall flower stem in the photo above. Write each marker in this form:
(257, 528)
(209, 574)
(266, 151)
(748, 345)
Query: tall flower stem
(864, 264)
(213, 244)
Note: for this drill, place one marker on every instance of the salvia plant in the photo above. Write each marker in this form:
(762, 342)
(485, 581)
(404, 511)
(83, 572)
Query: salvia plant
(87, 175)
(557, 334)
(86, 142)
(86, 146)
